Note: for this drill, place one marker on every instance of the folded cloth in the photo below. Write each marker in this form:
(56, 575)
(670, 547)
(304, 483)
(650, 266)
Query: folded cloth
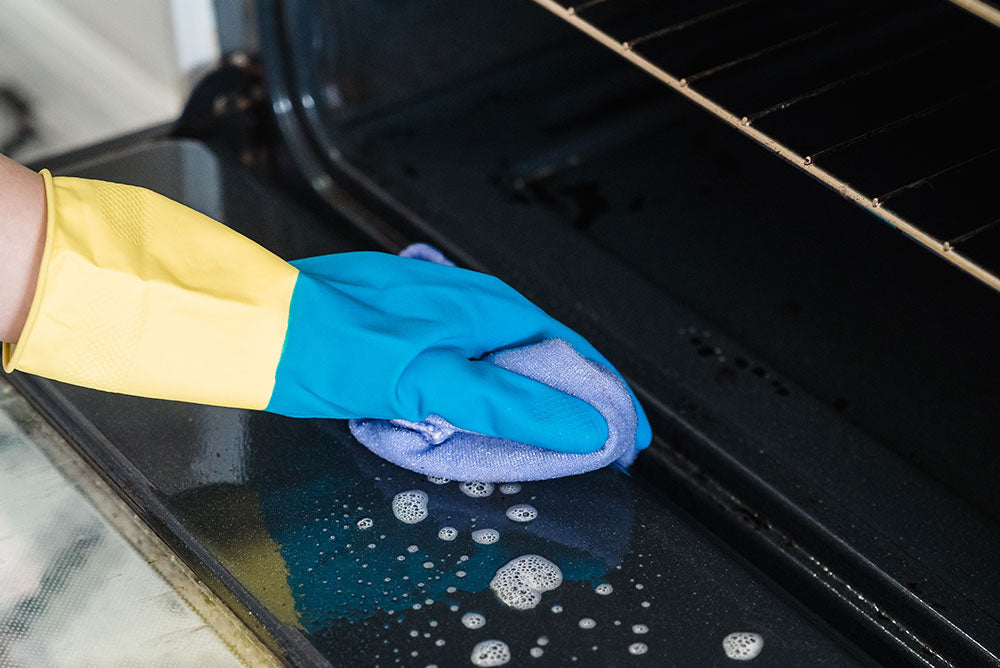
(436, 447)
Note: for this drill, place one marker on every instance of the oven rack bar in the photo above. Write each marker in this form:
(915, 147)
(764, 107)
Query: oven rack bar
(979, 229)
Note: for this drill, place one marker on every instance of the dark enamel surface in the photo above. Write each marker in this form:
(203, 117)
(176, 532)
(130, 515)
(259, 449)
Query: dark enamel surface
(276, 501)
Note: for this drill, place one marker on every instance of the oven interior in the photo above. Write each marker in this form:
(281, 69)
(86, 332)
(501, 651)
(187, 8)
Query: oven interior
(815, 346)
(821, 389)
(512, 137)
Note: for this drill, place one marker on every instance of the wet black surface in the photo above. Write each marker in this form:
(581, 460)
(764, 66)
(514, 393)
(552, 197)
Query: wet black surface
(276, 502)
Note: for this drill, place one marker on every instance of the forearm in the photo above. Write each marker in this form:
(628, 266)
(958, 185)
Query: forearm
(22, 239)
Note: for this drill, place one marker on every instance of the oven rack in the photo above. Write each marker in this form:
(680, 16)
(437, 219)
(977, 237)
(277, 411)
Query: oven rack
(892, 104)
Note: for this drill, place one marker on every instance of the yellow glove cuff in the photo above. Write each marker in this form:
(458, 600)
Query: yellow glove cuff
(141, 295)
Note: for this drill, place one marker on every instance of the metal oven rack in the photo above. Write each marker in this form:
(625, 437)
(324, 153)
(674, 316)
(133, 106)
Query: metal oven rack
(891, 104)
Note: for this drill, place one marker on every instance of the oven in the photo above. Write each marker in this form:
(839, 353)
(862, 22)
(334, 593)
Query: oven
(776, 219)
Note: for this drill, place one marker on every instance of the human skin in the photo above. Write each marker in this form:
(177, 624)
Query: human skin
(22, 240)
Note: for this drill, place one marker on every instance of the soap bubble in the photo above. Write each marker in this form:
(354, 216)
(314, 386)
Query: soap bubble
(522, 512)
(448, 533)
(473, 620)
(604, 589)
(486, 536)
(510, 488)
(476, 489)
(521, 581)
(364, 523)
(438, 481)
(490, 653)
(587, 623)
(743, 645)
(640, 628)
(410, 507)
(638, 648)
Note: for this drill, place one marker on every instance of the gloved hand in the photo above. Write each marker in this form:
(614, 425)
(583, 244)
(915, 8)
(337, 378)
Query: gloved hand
(140, 295)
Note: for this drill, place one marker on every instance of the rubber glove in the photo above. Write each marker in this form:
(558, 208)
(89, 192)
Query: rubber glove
(140, 295)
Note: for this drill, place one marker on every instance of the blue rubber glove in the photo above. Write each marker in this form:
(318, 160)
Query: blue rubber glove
(381, 336)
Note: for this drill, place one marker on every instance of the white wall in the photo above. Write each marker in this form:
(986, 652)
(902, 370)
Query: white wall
(94, 69)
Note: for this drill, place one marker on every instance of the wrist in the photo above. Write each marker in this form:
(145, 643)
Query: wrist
(22, 241)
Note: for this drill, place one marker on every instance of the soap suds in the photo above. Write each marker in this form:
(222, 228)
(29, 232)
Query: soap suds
(587, 623)
(510, 488)
(438, 481)
(638, 648)
(522, 512)
(536, 652)
(604, 589)
(448, 533)
(410, 507)
(640, 629)
(476, 489)
(490, 653)
(521, 581)
(486, 536)
(473, 620)
(364, 523)
(743, 645)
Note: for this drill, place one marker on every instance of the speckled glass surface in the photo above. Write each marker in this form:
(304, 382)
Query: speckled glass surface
(73, 591)
(283, 504)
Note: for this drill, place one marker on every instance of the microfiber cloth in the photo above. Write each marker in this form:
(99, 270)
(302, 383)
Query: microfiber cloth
(436, 447)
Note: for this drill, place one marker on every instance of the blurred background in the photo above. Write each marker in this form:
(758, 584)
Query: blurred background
(73, 72)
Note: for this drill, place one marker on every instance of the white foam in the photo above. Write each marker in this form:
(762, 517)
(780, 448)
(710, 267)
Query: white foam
(476, 489)
(490, 653)
(640, 629)
(364, 523)
(473, 620)
(536, 652)
(510, 488)
(587, 623)
(438, 481)
(412, 548)
(638, 648)
(542, 640)
(522, 512)
(410, 507)
(557, 608)
(486, 536)
(520, 582)
(447, 533)
(604, 588)
(743, 645)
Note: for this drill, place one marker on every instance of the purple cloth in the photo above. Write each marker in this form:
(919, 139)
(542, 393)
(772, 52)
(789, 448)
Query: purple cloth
(436, 447)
